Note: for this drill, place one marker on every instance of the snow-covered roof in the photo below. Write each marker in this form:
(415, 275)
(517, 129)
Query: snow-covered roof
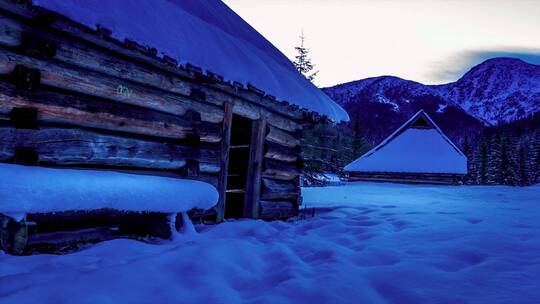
(29, 189)
(207, 34)
(418, 146)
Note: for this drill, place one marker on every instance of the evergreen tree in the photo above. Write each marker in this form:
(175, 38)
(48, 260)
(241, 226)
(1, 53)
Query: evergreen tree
(523, 170)
(505, 154)
(535, 160)
(493, 160)
(471, 167)
(483, 163)
(506, 173)
(359, 143)
(303, 61)
(465, 147)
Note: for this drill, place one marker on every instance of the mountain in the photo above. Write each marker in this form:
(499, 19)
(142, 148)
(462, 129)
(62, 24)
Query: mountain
(497, 91)
(382, 104)
(494, 92)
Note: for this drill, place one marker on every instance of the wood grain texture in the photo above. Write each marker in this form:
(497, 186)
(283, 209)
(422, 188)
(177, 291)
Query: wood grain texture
(224, 160)
(81, 53)
(59, 146)
(273, 210)
(70, 78)
(80, 111)
(253, 185)
(281, 153)
(280, 190)
(280, 171)
(281, 137)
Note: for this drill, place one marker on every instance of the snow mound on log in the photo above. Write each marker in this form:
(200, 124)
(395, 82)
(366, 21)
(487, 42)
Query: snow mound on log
(36, 189)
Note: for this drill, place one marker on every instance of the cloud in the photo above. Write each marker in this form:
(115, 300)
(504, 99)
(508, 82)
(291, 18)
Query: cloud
(452, 68)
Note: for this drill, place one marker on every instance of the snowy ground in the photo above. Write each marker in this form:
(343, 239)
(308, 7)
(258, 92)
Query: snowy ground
(368, 243)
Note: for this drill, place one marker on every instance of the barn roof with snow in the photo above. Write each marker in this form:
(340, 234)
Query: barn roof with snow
(158, 92)
(207, 34)
(418, 146)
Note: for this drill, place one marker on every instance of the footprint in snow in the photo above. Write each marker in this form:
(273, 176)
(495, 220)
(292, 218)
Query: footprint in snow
(473, 221)
(363, 223)
(400, 225)
(461, 260)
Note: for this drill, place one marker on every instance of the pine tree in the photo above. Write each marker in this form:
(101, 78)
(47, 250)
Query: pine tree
(535, 160)
(506, 173)
(303, 61)
(471, 163)
(494, 160)
(522, 167)
(483, 163)
(466, 147)
(359, 143)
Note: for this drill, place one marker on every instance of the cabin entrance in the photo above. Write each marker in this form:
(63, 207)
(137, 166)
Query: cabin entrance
(239, 157)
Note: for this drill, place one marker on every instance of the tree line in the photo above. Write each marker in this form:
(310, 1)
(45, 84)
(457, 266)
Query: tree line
(508, 154)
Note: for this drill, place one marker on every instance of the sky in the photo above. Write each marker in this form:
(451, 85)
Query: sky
(431, 42)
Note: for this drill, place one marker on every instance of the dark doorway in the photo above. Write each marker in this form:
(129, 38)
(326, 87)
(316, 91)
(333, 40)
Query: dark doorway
(238, 166)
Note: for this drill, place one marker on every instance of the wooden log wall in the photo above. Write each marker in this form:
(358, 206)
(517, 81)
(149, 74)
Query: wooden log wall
(76, 46)
(282, 166)
(412, 178)
(74, 97)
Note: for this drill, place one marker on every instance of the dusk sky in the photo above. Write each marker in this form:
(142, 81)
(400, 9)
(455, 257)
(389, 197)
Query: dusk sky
(427, 41)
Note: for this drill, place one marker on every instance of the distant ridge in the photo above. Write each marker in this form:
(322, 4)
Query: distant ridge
(496, 91)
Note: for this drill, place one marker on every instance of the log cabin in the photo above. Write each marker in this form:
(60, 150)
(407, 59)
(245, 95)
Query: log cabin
(177, 89)
(417, 152)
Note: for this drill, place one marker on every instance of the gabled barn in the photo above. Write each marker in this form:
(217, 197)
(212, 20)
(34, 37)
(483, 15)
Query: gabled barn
(159, 88)
(417, 152)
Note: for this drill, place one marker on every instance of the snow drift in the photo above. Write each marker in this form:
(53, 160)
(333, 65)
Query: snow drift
(368, 243)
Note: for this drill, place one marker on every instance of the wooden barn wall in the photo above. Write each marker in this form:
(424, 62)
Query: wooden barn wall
(413, 178)
(282, 166)
(70, 98)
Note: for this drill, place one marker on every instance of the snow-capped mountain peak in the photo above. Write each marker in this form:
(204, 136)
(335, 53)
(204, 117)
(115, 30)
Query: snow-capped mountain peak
(496, 91)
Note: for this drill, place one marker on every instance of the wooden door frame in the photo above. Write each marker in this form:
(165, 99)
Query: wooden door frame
(224, 160)
(253, 182)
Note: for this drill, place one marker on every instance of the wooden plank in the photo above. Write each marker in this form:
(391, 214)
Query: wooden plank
(69, 78)
(279, 190)
(253, 185)
(80, 53)
(254, 112)
(10, 32)
(58, 241)
(281, 137)
(282, 108)
(415, 178)
(403, 180)
(281, 153)
(64, 147)
(80, 111)
(273, 210)
(280, 171)
(72, 220)
(13, 235)
(224, 160)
